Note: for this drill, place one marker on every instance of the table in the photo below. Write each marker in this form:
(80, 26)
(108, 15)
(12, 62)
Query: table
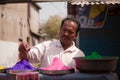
(4, 76)
(73, 76)
(81, 76)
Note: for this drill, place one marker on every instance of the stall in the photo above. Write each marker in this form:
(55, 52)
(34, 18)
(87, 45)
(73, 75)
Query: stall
(72, 76)
(99, 26)
(80, 75)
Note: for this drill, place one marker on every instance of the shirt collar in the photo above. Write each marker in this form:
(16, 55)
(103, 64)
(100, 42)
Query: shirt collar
(72, 48)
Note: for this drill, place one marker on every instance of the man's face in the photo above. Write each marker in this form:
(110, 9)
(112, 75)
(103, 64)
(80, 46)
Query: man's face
(68, 32)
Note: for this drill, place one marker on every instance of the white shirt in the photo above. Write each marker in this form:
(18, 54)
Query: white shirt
(45, 52)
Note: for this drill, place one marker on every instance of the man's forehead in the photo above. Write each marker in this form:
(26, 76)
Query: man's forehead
(72, 22)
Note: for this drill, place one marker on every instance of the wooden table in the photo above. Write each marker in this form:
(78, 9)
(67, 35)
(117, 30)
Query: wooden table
(81, 76)
(73, 76)
(4, 76)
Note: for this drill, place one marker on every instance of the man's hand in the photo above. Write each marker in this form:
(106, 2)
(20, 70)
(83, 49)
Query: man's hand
(23, 51)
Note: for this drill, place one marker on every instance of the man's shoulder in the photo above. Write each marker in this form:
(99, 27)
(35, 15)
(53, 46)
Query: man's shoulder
(46, 42)
(49, 42)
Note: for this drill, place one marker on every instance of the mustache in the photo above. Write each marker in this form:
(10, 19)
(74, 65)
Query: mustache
(64, 36)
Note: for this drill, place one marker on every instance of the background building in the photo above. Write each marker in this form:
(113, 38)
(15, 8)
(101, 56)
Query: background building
(17, 21)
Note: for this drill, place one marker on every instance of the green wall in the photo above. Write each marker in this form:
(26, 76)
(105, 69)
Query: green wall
(105, 41)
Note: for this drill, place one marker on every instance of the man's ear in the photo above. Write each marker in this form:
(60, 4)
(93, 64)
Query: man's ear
(76, 34)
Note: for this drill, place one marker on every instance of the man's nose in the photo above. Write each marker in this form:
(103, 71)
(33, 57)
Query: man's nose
(66, 33)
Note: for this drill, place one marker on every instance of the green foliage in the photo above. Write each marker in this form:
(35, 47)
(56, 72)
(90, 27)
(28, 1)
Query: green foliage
(52, 26)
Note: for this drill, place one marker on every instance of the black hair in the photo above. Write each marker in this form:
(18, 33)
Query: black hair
(71, 19)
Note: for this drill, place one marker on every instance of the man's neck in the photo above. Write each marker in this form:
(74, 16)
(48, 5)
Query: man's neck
(66, 46)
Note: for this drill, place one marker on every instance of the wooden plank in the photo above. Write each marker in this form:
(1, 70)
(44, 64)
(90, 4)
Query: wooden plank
(25, 1)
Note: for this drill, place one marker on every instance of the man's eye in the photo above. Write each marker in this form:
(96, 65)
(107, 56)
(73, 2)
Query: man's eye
(71, 32)
(64, 30)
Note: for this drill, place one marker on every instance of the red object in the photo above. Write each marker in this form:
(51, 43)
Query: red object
(28, 76)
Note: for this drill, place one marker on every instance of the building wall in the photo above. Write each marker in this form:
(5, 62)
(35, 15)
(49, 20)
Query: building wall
(17, 20)
(13, 22)
(8, 53)
(34, 23)
(105, 41)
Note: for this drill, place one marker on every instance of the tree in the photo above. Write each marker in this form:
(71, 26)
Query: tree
(52, 26)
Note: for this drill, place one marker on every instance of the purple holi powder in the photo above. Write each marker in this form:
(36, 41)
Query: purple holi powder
(22, 65)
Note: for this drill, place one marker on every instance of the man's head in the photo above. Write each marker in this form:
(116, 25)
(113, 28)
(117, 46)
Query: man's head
(68, 31)
(73, 20)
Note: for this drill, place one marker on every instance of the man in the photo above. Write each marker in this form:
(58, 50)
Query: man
(64, 48)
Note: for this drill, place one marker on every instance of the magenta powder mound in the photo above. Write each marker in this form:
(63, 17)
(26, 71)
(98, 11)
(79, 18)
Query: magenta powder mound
(56, 64)
(22, 65)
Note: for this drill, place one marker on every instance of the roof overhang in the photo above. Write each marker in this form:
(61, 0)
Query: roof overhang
(92, 2)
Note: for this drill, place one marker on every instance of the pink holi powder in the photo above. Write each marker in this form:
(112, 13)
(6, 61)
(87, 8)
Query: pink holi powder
(56, 64)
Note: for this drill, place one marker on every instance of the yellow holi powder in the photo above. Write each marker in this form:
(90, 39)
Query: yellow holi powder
(1, 67)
